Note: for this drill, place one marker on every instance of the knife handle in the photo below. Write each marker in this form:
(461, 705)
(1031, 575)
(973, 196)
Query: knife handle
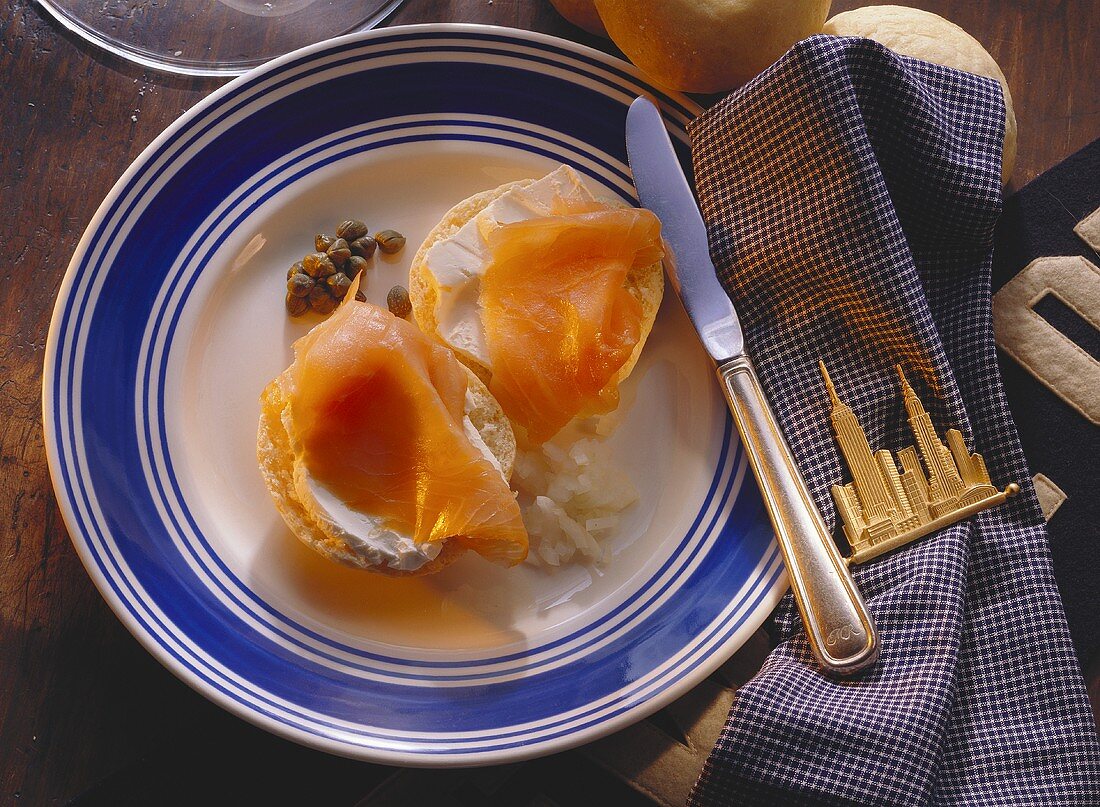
(841, 633)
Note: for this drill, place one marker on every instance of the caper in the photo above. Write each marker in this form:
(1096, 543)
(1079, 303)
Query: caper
(351, 229)
(299, 285)
(320, 299)
(338, 252)
(390, 241)
(296, 306)
(322, 242)
(397, 301)
(318, 264)
(363, 247)
(326, 305)
(359, 296)
(354, 266)
(311, 264)
(296, 269)
(338, 284)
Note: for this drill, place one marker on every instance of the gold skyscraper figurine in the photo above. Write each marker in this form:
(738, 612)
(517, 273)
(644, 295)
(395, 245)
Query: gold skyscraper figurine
(883, 509)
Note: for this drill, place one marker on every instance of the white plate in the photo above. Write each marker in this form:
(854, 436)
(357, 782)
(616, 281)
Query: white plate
(170, 322)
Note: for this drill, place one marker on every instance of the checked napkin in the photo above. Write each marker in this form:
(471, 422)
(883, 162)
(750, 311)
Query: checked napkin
(850, 196)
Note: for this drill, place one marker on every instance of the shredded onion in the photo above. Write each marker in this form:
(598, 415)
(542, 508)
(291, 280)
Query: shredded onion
(575, 495)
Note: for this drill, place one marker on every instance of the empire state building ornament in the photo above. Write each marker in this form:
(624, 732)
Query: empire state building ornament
(938, 485)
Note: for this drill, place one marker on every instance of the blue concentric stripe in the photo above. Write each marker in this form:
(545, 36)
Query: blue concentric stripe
(505, 44)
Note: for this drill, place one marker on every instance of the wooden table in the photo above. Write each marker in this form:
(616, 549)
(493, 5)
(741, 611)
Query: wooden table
(80, 701)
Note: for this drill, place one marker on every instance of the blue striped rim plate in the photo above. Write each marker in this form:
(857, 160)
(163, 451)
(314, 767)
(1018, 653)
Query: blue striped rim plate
(169, 323)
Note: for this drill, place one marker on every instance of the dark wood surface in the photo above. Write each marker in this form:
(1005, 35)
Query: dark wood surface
(80, 701)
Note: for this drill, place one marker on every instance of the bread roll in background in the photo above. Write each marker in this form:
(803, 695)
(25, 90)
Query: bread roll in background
(928, 36)
(707, 46)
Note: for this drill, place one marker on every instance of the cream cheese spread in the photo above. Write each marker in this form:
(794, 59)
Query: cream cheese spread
(458, 263)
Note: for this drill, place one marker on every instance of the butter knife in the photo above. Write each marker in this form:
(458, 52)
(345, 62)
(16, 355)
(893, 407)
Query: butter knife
(840, 631)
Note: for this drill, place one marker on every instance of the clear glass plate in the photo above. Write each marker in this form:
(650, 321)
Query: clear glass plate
(212, 37)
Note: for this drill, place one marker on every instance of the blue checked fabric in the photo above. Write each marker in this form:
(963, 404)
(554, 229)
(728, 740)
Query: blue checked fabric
(850, 197)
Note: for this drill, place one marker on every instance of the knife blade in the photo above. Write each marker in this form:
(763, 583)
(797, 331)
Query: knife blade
(664, 189)
(840, 631)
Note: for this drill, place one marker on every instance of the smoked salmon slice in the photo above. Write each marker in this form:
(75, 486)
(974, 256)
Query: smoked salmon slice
(377, 410)
(560, 320)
